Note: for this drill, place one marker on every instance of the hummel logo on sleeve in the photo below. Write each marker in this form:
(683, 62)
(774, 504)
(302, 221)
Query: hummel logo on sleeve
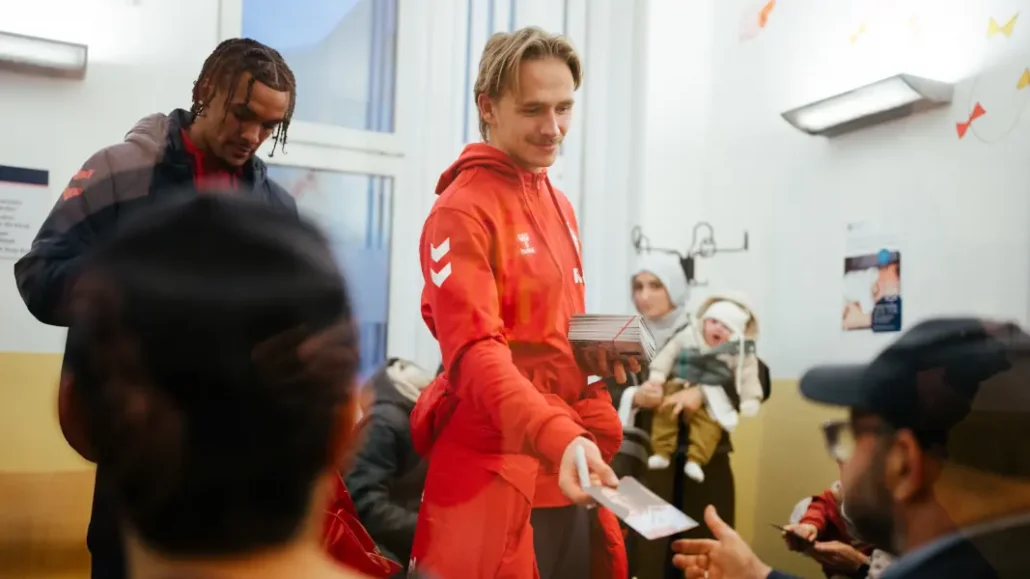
(438, 251)
(440, 276)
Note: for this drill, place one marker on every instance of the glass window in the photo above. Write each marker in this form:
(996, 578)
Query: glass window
(343, 53)
(355, 212)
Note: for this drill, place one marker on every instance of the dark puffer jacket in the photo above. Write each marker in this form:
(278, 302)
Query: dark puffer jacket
(388, 476)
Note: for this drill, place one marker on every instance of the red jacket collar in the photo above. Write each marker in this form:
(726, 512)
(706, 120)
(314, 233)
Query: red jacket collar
(205, 165)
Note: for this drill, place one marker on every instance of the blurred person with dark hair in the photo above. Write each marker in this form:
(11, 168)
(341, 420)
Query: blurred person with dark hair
(388, 476)
(244, 94)
(938, 465)
(210, 371)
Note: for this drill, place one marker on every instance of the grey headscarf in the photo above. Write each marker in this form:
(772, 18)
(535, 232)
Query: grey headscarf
(666, 267)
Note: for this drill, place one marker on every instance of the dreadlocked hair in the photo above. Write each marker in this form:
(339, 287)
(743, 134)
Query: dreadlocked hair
(230, 60)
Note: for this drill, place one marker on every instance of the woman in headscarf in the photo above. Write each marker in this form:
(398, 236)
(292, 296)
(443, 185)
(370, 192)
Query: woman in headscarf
(660, 295)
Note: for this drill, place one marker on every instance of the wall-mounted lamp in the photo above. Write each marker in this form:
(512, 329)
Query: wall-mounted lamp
(884, 100)
(29, 54)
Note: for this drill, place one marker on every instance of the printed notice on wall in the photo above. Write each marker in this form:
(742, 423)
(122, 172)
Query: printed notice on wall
(24, 200)
(872, 279)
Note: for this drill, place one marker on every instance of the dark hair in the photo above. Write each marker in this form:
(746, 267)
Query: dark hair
(213, 350)
(230, 60)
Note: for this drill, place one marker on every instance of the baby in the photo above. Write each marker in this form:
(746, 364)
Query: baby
(716, 349)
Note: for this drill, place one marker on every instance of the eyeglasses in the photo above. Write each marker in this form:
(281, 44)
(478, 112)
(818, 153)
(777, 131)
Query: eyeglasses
(841, 436)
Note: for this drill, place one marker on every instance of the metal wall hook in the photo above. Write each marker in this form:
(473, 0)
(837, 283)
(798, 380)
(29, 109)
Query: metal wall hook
(702, 244)
(705, 246)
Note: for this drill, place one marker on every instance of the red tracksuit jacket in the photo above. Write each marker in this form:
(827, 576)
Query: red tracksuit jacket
(503, 276)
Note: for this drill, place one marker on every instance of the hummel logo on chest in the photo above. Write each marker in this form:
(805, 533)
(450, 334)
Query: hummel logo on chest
(526, 248)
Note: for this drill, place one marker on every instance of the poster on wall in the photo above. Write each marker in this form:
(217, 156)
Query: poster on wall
(24, 201)
(872, 280)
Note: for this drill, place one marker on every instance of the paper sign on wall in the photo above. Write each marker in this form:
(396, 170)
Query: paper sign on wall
(24, 199)
(872, 280)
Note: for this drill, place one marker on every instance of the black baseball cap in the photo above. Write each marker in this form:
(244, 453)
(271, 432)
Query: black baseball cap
(958, 383)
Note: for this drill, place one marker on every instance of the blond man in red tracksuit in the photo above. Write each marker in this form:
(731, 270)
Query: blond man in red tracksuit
(503, 276)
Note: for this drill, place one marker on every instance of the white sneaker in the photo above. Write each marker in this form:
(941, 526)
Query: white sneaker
(694, 471)
(657, 462)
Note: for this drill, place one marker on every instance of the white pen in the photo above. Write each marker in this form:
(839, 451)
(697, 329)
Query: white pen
(581, 464)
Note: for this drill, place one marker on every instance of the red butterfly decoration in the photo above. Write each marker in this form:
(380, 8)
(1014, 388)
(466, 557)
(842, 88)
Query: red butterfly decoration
(978, 111)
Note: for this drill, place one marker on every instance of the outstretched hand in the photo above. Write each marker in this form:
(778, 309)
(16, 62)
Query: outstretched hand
(727, 557)
(568, 473)
(800, 537)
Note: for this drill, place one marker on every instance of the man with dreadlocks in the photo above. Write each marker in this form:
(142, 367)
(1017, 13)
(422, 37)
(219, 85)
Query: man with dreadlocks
(245, 94)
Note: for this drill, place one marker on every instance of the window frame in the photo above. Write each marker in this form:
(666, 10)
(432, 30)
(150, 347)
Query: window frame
(395, 155)
(411, 38)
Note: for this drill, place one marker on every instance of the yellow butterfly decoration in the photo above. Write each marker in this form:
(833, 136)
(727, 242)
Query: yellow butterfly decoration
(857, 35)
(1024, 80)
(913, 25)
(993, 28)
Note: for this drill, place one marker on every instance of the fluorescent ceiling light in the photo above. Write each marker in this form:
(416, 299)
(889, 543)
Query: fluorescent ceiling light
(42, 56)
(888, 99)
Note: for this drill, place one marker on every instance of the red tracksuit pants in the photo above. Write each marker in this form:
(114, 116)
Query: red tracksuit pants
(473, 524)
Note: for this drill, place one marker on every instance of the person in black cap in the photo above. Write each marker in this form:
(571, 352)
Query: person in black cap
(211, 360)
(937, 455)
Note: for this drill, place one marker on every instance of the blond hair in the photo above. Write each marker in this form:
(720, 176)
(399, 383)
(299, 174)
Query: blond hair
(503, 57)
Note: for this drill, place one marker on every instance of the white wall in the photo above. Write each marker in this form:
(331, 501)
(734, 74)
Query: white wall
(142, 58)
(716, 149)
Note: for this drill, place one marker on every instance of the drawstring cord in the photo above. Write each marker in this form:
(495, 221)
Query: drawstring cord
(741, 344)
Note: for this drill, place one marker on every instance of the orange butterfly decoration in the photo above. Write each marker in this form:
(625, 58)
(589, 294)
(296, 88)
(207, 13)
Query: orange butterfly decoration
(763, 14)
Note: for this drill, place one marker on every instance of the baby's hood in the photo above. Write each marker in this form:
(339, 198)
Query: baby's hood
(750, 331)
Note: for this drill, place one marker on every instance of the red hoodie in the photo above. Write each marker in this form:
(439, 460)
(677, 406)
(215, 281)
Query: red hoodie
(503, 276)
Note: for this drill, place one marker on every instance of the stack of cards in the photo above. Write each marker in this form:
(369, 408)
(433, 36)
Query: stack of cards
(616, 336)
